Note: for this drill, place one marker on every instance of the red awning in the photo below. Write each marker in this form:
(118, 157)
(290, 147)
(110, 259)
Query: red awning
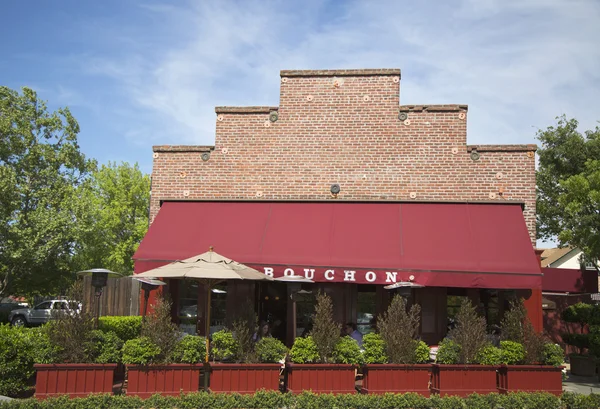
(432, 244)
(568, 280)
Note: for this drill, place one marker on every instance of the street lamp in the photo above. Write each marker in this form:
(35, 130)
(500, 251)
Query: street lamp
(99, 279)
(148, 284)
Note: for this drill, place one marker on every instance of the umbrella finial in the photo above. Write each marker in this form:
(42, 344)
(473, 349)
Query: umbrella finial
(210, 248)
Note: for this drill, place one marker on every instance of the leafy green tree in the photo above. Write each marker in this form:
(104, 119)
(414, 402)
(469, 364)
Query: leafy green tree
(114, 205)
(41, 167)
(568, 187)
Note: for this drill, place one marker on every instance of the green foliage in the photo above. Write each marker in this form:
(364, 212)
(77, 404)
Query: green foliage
(512, 323)
(224, 346)
(18, 351)
(309, 400)
(304, 351)
(140, 351)
(191, 349)
(347, 351)
(553, 355)
(126, 328)
(72, 332)
(469, 333)
(489, 355)
(325, 332)
(374, 349)
(106, 347)
(398, 329)
(448, 352)
(114, 204)
(513, 353)
(161, 330)
(568, 186)
(421, 352)
(594, 341)
(270, 350)
(579, 313)
(41, 167)
(243, 330)
(580, 341)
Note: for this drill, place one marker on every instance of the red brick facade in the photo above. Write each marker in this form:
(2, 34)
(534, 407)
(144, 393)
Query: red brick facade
(345, 127)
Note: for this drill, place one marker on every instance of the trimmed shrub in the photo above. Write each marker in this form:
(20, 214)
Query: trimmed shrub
(161, 330)
(347, 351)
(191, 349)
(374, 349)
(140, 351)
(448, 352)
(304, 351)
(421, 352)
(489, 355)
(270, 350)
(224, 347)
(398, 329)
(469, 333)
(18, 351)
(512, 353)
(106, 347)
(553, 355)
(325, 332)
(126, 328)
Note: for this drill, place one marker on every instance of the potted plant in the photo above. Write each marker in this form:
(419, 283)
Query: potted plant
(458, 370)
(582, 363)
(159, 361)
(73, 359)
(260, 370)
(541, 367)
(394, 360)
(322, 362)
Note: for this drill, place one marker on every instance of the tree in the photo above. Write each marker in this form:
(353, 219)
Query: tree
(114, 205)
(568, 187)
(40, 168)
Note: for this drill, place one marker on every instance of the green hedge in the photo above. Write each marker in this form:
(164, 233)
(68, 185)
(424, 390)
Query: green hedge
(126, 328)
(307, 400)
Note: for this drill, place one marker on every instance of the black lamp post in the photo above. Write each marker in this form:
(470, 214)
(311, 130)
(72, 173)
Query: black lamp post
(99, 279)
(148, 284)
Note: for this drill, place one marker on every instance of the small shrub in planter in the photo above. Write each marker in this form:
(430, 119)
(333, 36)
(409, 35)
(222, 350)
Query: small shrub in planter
(347, 351)
(553, 355)
(422, 353)
(190, 350)
(374, 349)
(270, 350)
(69, 363)
(469, 333)
(448, 352)
(489, 355)
(160, 329)
(140, 351)
(224, 346)
(125, 328)
(322, 346)
(398, 328)
(512, 353)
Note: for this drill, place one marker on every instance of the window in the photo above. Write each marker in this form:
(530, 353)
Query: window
(305, 309)
(365, 308)
(218, 307)
(44, 306)
(188, 306)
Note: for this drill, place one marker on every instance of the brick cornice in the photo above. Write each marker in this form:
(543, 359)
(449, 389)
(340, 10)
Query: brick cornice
(435, 108)
(502, 148)
(245, 110)
(340, 73)
(182, 148)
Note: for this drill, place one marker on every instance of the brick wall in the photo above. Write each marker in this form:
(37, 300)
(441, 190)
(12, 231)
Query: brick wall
(343, 126)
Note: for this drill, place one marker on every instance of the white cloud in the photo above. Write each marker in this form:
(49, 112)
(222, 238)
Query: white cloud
(518, 64)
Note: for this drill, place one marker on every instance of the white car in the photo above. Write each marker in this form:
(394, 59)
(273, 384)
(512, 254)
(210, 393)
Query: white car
(41, 313)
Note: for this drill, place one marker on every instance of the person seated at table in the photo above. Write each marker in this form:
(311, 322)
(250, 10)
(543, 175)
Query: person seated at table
(354, 333)
(264, 331)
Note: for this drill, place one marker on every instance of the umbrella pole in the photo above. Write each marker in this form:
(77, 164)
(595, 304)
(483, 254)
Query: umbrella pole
(207, 335)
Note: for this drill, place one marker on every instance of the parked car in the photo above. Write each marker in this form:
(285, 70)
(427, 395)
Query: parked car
(6, 308)
(41, 313)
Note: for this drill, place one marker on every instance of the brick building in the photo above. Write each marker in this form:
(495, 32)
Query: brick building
(345, 185)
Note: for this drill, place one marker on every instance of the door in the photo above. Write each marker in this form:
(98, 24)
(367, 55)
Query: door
(41, 313)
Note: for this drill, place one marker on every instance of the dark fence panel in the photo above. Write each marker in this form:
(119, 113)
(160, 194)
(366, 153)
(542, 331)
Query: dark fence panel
(121, 296)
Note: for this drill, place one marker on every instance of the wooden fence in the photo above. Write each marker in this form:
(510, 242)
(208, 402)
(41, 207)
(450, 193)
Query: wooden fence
(121, 296)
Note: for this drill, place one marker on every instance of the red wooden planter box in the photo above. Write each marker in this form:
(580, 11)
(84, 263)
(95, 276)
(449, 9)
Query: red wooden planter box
(321, 378)
(463, 380)
(395, 378)
(531, 378)
(75, 380)
(244, 378)
(167, 380)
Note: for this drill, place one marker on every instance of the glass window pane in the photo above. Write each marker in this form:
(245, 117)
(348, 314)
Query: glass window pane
(365, 308)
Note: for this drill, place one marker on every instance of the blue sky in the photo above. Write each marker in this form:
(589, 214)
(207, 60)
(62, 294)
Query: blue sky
(141, 73)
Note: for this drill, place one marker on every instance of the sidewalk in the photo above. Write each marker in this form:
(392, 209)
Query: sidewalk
(582, 384)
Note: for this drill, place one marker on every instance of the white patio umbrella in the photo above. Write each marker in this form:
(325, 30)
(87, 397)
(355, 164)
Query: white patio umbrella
(210, 269)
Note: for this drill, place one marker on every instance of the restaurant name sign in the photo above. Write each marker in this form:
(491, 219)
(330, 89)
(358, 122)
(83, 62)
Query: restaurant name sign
(339, 275)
